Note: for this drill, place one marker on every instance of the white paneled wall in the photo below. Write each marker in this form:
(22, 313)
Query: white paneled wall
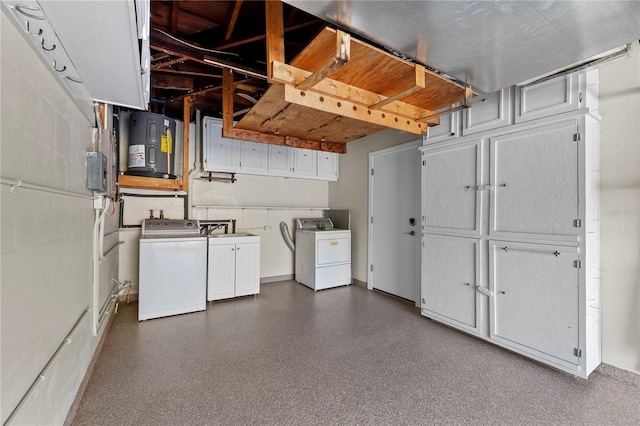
(46, 239)
(620, 210)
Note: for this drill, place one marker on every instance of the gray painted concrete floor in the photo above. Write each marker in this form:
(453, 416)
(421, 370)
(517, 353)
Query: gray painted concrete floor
(338, 356)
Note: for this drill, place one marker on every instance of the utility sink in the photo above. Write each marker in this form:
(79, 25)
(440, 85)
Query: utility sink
(239, 238)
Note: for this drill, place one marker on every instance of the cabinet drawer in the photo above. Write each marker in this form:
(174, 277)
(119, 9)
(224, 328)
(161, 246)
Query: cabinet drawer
(331, 276)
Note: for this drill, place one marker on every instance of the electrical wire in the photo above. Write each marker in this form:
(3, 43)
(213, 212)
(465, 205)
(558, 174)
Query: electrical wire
(204, 49)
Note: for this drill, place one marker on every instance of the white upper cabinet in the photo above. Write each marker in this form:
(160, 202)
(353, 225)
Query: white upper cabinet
(220, 154)
(447, 129)
(254, 157)
(450, 197)
(237, 156)
(327, 165)
(492, 112)
(534, 178)
(558, 95)
(280, 160)
(304, 162)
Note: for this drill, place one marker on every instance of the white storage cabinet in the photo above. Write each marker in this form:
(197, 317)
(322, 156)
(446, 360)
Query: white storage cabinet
(510, 237)
(233, 266)
(236, 156)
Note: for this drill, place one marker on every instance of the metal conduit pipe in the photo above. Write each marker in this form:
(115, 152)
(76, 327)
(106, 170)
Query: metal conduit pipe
(18, 183)
(197, 165)
(41, 377)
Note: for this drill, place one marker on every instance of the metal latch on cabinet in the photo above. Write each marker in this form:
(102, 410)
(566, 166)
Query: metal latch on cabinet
(484, 291)
(481, 187)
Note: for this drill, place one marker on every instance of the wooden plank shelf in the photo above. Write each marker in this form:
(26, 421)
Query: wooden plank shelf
(339, 89)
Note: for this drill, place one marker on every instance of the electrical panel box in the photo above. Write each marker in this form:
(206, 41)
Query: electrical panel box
(96, 172)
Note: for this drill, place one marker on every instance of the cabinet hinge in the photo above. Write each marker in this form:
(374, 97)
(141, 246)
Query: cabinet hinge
(577, 264)
(424, 162)
(371, 268)
(577, 223)
(577, 352)
(371, 172)
(371, 219)
(577, 137)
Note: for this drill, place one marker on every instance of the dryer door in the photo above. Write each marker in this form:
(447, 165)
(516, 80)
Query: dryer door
(332, 248)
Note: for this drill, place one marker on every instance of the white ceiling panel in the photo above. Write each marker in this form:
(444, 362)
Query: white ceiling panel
(489, 44)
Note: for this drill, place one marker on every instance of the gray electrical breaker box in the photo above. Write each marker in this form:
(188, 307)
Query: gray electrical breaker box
(96, 171)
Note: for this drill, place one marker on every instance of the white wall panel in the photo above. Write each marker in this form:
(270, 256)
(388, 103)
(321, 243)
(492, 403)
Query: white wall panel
(46, 242)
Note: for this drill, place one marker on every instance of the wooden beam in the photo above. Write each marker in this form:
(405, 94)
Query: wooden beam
(127, 181)
(440, 113)
(343, 53)
(418, 84)
(275, 34)
(250, 135)
(175, 13)
(166, 44)
(291, 75)
(186, 119)
(165, 64)
(338, 106)
(263, 36)
(234, 19)
(174, 82)
(227, 102)
(202, 91)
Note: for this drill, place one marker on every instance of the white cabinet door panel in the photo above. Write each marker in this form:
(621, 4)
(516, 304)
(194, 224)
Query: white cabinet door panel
(254, 157)
(450, 274)
(447, 129)
(327, 165)
(247, 269)
(304, 162)
(220, 271)
(547, 98)
(535, 298)
(450, 199)
(219, 154)
(535, 183)
(280, 160)
(492, 112)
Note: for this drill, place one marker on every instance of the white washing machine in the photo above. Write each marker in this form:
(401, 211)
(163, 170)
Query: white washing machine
(323, 254)
(173, 268)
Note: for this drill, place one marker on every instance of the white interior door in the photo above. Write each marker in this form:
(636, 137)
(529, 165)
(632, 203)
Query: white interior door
(394, 225)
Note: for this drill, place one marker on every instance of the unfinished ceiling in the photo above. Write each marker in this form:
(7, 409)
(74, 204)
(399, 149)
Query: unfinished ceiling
(191, 40)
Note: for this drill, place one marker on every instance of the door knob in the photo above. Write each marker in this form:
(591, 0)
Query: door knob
(412, 233)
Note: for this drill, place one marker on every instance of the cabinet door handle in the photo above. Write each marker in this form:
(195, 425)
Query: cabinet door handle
(232, 249)
(484, 291)
(485, 187)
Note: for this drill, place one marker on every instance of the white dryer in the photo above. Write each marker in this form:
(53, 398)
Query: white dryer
(323, 254)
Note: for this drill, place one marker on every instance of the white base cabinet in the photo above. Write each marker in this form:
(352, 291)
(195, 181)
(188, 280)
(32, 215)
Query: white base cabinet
(510, 231)
(233, 267)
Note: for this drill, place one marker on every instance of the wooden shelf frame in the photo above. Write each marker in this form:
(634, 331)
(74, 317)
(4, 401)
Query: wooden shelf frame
(142, 182)
(339, 89)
